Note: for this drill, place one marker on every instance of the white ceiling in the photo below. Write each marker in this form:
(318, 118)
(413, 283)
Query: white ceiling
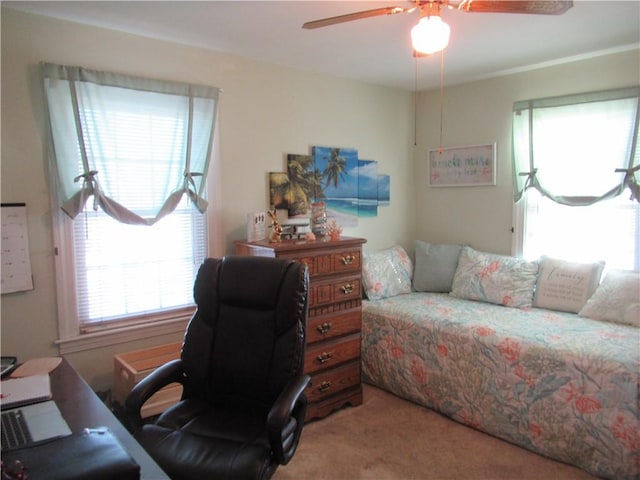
(375, 50)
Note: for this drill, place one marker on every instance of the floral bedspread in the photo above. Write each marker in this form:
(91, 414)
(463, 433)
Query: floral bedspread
(563, 386)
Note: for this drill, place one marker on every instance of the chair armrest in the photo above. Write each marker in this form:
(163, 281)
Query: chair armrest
(170, 372)
(292, 402)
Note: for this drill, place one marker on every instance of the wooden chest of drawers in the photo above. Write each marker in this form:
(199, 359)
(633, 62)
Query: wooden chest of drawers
(332, 357)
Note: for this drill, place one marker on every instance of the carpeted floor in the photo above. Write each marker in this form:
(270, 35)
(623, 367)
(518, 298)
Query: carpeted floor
(388, 438)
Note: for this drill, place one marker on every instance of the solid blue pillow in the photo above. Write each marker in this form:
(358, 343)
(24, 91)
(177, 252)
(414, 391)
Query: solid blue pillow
(435, 266)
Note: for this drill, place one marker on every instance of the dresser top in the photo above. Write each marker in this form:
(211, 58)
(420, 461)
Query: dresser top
(302, 244)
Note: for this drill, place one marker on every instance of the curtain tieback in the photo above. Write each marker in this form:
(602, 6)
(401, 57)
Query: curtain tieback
(530, 177)
(190, 182)
(629, 180)
(90, 183)
(628, 171)
(88, 177)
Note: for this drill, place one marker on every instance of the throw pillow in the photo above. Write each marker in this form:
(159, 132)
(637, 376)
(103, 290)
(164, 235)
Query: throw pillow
(435, 266)
(617, 299)
(492, 278)
(386, 273)
(566, 286)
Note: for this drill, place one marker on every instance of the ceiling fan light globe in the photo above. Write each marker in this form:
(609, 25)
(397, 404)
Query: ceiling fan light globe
(430, 35)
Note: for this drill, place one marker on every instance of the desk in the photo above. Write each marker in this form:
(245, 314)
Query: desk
(82, 408)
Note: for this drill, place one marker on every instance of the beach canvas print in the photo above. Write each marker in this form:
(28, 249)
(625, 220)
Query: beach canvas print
(349, 187)
(367, 188)
(338, 174)
(303, 184)
(384, 189)
(279, 191)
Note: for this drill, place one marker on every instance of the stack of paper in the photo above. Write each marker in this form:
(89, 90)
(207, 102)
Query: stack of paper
(16, 392)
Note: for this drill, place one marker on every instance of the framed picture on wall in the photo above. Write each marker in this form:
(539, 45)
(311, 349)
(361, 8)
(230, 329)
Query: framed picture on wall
(470, 166)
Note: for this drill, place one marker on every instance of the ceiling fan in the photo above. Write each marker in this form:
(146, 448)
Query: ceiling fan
(431, 34)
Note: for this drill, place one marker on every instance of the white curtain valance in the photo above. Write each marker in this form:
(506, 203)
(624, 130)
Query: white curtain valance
(578, 149)
(136, 145)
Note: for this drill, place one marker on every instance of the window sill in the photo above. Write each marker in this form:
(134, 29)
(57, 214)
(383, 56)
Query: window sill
(89, 341)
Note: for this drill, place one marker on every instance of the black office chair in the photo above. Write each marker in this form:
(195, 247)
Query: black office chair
(243, 403)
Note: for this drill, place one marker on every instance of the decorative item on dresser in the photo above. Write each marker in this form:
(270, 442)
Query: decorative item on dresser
(332, 357)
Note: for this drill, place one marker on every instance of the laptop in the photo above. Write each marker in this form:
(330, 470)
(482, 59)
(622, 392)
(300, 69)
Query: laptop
(32, 424)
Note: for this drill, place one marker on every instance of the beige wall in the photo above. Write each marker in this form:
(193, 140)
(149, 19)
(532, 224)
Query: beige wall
(266, 112)
(479, 113)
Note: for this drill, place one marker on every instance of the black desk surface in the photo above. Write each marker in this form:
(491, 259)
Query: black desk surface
(82, 408)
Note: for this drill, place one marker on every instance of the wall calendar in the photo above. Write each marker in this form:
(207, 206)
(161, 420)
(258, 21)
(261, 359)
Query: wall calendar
(16, 265)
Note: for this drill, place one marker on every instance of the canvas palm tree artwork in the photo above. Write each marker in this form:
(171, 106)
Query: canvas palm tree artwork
(339, 168)
(349, 187)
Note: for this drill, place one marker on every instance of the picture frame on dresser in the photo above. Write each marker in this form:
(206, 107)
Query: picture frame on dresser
(333, 337)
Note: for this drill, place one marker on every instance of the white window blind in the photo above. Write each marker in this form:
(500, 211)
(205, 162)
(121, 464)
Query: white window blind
(608, 230)
(130, 273)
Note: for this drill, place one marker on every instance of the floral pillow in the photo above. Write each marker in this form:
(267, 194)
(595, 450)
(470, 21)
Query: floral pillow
(617, 299)
(491, 278)
(386, 273)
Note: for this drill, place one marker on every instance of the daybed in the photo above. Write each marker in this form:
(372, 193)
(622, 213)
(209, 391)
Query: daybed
(555, 382)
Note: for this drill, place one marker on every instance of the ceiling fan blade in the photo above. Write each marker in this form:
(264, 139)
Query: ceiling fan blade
(544, 7)
(356, 16)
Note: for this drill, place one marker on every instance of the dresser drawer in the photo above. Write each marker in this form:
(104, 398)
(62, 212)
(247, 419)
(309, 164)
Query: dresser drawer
(327, 327)
(311, 261)
(346, 261)
(326, 263)
(334, 290)
(330, 354)
(327, 383)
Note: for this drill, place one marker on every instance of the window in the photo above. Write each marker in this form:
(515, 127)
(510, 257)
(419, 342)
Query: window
(125, 152)
(576, 167)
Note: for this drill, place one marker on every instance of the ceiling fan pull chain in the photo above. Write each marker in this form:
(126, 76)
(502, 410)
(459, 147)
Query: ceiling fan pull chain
(441, 99)
(415, 104)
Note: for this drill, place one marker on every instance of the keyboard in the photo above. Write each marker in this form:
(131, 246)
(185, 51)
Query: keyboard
(15, 432)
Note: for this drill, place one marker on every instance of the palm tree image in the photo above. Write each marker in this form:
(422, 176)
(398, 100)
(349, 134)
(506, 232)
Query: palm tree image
(335, 169)
(304, 182)
(316, 180)
(279, 190)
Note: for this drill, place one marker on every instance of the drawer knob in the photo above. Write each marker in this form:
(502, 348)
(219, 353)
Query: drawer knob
(324, 386)
(324, 328)
(348, 288)
(324, 357)
(348, 259)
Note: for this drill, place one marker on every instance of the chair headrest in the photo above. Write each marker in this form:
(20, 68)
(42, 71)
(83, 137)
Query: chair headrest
(252, 282)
